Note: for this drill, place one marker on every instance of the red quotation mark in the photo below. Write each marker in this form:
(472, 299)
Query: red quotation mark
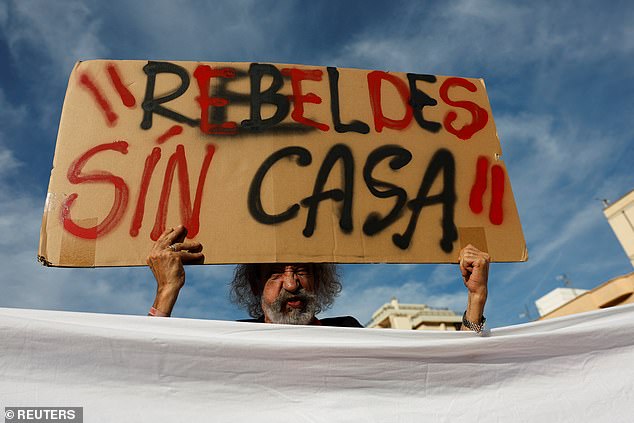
(126, 96)
(102, 102)
(496, 214)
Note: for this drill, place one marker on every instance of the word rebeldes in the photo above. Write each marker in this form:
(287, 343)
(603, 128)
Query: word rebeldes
(413, 98)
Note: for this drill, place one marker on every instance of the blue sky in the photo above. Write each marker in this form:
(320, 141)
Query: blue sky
(559, 75)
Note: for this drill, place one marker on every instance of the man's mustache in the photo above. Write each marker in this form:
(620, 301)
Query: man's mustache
(300, 295)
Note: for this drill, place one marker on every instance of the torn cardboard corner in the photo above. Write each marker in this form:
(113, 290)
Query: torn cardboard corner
(266, 162)
(43, 261)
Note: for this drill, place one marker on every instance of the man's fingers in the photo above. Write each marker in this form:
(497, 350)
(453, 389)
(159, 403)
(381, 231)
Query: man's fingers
(463, 270)
(190, 246)
(164, 240)
(171, 236)
(471, 259)
(471, 254)
(166, 232)
(179, 234)
(192, 258)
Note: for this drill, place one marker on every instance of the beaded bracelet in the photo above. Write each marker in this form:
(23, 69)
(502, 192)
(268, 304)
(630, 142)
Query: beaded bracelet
(157, 313)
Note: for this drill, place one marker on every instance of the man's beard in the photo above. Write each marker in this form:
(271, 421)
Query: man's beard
(278, 312)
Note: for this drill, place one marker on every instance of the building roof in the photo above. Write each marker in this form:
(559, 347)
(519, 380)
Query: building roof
(418, 313)
(616, 291)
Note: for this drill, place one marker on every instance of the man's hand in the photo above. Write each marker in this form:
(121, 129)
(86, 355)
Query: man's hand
(474, 266)
(166, 260)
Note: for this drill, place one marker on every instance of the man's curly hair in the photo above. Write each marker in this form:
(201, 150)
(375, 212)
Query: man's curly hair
(245, 276)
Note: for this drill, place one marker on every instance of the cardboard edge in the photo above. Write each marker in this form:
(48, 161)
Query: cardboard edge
(42, 250)
(43, 253)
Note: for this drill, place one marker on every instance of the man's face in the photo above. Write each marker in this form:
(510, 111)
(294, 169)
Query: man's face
(288, 293)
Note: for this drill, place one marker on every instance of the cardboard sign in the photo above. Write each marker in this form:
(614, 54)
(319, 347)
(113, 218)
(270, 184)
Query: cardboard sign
(268, 162)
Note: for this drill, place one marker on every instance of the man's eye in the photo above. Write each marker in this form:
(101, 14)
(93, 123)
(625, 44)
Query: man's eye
(278, 273)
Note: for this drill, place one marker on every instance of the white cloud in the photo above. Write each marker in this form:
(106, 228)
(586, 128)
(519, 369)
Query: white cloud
(556, 169)
(61, 34)
(8, 163)
(444, 276)
(496, 35)
(12, 116)
(212, 31)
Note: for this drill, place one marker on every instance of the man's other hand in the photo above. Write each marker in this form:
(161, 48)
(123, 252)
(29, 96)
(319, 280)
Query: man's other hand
(166, 260)
(474, 266)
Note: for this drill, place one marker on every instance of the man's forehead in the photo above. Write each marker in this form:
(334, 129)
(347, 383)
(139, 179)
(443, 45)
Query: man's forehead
(267, 266)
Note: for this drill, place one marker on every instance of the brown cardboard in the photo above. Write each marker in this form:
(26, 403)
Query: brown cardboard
(86, 223)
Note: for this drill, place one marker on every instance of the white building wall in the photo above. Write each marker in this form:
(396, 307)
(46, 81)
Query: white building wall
(556, 298)
(620, 216)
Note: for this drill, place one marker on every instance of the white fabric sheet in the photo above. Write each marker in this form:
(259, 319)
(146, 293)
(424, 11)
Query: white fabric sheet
(143, 369)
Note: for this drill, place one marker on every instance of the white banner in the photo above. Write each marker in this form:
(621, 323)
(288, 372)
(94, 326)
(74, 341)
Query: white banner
(143, 369)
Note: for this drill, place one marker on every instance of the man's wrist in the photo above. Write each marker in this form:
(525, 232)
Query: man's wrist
(475, 306)
(477, 300)
(478, 296)
(168, 291)
(165, 299)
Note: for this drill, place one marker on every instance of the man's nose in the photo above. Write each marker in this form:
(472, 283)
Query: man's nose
(291, 281)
